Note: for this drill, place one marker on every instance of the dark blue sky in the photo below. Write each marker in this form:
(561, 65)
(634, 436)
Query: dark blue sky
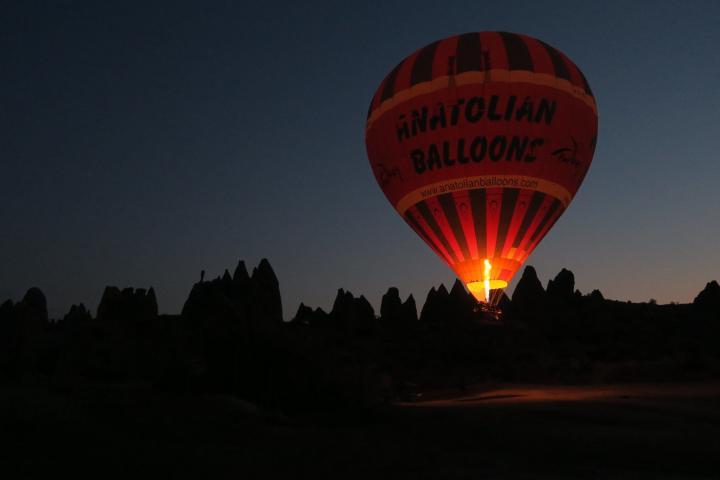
(142, 142)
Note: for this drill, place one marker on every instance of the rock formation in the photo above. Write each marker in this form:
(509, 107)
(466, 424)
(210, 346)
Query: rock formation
(529, 293)
(709, 298)
(562, 287)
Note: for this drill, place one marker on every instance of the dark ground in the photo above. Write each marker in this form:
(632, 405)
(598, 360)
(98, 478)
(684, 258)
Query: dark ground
(626, 431)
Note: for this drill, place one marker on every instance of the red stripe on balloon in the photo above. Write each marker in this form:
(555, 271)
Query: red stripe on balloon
(444, 224)
(509, 200)
(541, 58)
(445, 54)
(559, 64)
(449, 209)
(492, 220)
(521, 207)
(530, 214)
(464, 208)
(542, 213)
(432, 230)
(493, 44)
(478, 204)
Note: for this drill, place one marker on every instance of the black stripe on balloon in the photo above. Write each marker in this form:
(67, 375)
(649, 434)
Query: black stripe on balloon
(586, 85)
(518, 54)
(423, 67)
(532, 210)
(551, 211)
(447, 202)
(559, 65)
(469, 53)
(418, 228)
(389, 88)
(478, 203)
(509, 199)
(430, 219)
(552, 222)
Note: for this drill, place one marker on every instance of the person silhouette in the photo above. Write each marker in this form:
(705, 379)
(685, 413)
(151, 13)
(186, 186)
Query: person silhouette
(202, 276)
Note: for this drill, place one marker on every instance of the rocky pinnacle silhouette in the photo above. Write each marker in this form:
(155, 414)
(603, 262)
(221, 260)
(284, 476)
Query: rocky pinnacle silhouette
(231, 338)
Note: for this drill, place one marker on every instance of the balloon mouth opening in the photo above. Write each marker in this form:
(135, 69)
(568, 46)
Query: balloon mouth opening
(480, 289)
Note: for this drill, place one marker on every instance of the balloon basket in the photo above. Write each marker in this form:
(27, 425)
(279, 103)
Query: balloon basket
(488, 314)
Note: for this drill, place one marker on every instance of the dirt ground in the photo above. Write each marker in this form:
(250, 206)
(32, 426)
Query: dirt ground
(512, 431)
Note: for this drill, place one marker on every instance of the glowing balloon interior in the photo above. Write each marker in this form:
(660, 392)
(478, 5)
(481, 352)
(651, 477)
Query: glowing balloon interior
(480, 141)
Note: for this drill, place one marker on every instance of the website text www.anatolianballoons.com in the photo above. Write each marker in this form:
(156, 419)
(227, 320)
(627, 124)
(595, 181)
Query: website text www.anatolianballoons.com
(485, 182)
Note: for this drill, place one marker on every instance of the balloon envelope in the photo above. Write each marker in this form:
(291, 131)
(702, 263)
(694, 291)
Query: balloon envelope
(480, 141)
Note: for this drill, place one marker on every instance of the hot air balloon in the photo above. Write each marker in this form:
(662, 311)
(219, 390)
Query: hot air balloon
(480, 141)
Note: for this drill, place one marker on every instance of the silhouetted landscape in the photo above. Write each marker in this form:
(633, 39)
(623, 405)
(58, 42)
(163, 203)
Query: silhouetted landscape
(232, 361)
(369, 150)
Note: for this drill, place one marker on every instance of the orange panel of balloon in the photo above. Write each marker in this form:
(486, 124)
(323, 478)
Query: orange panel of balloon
(480, 141)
